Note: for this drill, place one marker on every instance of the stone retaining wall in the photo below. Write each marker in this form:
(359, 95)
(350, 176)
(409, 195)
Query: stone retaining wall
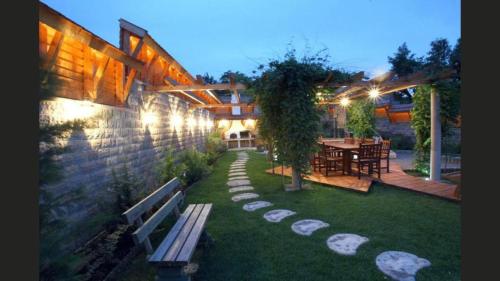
(136, 135)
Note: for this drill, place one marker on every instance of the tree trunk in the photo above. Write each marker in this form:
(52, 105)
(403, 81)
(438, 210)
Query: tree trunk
(296, 179)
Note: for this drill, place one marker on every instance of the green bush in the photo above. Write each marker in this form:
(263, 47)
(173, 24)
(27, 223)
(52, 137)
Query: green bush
(125, 186)
(169, 168)
(194, 166)
(215, 146)
(361, 118)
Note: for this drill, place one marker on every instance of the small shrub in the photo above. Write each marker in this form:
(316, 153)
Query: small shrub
(215, 146)
(125, 187)
(169, 168)
(194, 165)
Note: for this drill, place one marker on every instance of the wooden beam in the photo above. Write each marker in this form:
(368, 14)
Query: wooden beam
(53, 51)
(88, 73)
(137, 49)
(128, 85)
(223, 105)
(69, 28)
(147, 67)
(97, 78)
(178, 88)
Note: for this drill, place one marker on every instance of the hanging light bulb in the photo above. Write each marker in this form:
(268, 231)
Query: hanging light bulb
(374, 93)
(344, 101)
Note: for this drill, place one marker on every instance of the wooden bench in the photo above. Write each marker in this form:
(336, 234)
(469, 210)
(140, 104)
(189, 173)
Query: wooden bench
(175, 251)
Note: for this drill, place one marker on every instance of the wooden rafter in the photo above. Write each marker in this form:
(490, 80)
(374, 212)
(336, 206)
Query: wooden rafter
(97, 78)
(176, 88)
(223, 105)
(69, 28)
(53, 51)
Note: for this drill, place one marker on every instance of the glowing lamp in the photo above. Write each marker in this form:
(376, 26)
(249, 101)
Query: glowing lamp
(191, 122)
(344, 102)
(374, 93)
(176, 120)
(149, 118)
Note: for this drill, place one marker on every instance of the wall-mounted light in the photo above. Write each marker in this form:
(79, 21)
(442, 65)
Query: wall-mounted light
(148, 118)
(201, 123)
(210, 124)
(191, 122)
(250, 123)
(223, 123)
(345, 102)
(75, 110)
(176, 121)
(374, 93)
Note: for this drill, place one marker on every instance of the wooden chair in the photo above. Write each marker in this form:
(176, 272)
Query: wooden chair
(386, 151)
(329, 159)
(349, 140)
(177, 248)
(368, 154)
(368, 140)
(315, 160)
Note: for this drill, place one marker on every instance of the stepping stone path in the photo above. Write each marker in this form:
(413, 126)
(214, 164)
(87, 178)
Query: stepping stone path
(307, 227)
(238, 178)
(240, 188)
(345, 243)
(238, 183)
(277, 215)
(237, 170)
(252, 206)
(244, 196)
(237, 174)
(400, 266)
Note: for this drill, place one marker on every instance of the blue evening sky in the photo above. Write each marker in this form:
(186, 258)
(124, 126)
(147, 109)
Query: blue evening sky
(218, 35)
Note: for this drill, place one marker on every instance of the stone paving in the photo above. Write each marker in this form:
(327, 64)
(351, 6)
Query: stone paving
(400, 266)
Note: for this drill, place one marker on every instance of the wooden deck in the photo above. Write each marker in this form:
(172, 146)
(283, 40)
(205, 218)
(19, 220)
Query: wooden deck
(397, 178)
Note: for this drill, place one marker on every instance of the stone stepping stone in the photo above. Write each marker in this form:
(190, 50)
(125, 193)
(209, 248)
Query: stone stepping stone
(244, 196)
(240, 188)
(252, 206)
(239, 166)
(240, 162)
(237, 174)
(345, 243)
(307, 227)
(278, 215)
(237, 170)
(235, 183)
(238, 178)
(400, 266)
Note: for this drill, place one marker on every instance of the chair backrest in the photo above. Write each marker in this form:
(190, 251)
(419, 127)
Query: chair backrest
(369, 140)
(134, 214)
(386, 146)
(370, 151)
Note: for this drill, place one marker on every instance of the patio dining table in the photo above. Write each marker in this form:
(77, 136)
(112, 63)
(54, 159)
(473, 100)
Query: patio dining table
(347, 149)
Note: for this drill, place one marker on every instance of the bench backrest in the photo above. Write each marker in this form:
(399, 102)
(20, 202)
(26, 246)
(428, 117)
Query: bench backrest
(134, 214)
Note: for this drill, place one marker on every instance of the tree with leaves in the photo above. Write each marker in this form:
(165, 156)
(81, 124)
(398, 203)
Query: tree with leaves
(439, 57)
(285, 92)
(361, 118)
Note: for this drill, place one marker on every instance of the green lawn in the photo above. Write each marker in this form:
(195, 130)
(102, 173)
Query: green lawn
(247, 247)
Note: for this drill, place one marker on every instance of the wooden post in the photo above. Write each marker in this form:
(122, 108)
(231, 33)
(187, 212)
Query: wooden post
(435, 169)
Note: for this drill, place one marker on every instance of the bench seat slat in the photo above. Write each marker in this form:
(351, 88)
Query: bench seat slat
(181, 238)
(147, 203)
(193, 238)
(142, 232)
(172, 234)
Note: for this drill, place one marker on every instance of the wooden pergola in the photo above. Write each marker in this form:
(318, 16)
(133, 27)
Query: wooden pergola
(389, 83)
